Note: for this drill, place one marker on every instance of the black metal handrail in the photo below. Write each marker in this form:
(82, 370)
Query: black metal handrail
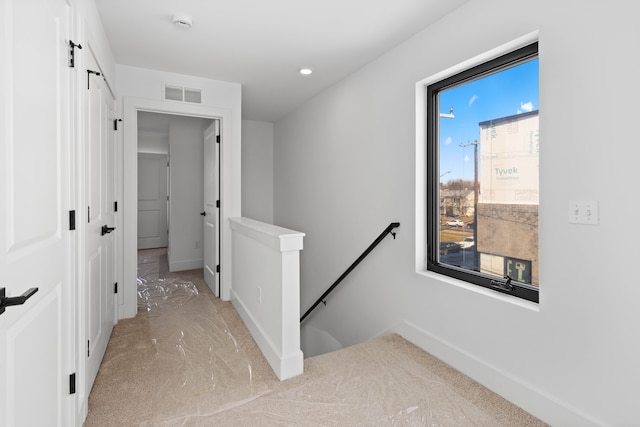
(352, 266)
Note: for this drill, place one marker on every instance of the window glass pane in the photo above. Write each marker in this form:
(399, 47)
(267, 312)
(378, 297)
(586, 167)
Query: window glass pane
(489, 173)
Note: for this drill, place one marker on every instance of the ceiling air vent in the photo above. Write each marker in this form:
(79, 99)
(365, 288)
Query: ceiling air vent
(182, 94)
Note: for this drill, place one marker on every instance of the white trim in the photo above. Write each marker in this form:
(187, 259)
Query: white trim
(481, 290)
(229, 183)
(272, 236)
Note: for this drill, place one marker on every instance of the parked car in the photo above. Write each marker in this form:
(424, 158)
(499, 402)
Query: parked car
(455, 223)
(467, 242)
(449, 247)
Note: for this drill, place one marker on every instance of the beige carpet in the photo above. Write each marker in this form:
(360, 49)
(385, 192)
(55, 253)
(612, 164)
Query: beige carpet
(187, 359)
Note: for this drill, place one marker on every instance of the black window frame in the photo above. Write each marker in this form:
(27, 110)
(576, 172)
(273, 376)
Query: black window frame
(503, 285)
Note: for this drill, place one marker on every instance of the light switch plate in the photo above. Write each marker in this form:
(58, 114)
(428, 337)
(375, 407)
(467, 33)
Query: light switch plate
(583, 212)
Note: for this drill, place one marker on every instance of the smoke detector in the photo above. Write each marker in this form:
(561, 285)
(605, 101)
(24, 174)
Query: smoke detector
(183, 21)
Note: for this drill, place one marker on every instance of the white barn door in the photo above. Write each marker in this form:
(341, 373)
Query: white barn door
(35, 240)
(99, 265)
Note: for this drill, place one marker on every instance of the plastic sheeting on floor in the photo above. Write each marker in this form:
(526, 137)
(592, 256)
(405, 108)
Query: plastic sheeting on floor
(198, 367)
(187, 359)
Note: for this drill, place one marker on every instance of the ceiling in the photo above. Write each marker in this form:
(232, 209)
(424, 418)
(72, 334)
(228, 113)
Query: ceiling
(262, 44)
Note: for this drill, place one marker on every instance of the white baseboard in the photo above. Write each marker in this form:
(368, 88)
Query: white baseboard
(285, 367)
(189, 264)
(537, 402)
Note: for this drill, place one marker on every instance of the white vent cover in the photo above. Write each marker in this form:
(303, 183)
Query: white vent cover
(193, 95)
(182, 94)
(173, 93)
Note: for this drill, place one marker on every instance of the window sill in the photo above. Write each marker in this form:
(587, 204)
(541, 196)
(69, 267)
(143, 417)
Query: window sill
(519, 302)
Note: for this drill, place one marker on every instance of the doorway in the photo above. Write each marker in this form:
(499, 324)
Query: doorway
(230, 190)
(170, 187)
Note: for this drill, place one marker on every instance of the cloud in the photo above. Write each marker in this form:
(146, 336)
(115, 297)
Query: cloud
(473, 99)
(447, 141)
(466, 158)
(525, 107)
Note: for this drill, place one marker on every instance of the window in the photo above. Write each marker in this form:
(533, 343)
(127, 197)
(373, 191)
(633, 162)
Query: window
(482, 174)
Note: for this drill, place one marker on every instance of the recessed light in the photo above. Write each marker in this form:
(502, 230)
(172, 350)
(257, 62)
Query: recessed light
(183, 21)
(306, 71)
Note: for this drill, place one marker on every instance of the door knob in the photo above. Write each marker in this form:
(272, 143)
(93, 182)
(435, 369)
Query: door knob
(203, 213)
(6, 302)
(106, 229)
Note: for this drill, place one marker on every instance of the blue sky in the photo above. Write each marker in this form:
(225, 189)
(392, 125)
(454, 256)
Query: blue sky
(509, 92)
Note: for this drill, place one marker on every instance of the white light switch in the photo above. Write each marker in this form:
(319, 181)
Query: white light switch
(583, 212)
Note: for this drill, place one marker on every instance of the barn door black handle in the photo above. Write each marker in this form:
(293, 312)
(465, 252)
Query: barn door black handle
(6, 302)
(203, 213)
(106, 229)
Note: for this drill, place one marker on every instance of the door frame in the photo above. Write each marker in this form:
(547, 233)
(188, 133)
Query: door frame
(230, 190)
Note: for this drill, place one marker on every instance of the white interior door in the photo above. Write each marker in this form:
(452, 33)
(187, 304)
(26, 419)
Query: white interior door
(99, 268)
(152, 200)
(35, 242)
(211, 211)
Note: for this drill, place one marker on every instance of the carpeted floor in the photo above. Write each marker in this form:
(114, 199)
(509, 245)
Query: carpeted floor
(187, 359)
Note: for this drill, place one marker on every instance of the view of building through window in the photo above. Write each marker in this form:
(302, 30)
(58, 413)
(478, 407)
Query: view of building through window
(488, 170)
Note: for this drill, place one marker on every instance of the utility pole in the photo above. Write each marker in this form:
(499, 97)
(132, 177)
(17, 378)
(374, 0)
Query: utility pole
(475, 172)
(475, 144)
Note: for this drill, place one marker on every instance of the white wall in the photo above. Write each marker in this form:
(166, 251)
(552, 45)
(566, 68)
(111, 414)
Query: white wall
(88, 20)
(145, 83)
(153, 142)
(344, 168)
(186, 192)
(257, 170)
